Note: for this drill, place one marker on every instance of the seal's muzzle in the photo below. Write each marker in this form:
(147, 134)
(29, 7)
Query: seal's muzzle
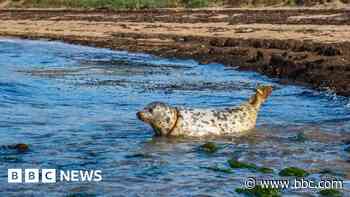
(139, 115)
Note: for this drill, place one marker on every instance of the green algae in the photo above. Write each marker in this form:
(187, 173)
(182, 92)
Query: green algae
(300, 137)
(331, 193)
(237, 164)
(265, 170)
(259, 191)
(218, 169)
(138, 155)
(293, 171)
(209, 147)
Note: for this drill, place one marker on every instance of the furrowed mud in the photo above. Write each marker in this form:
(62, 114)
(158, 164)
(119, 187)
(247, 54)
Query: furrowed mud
(304, 46)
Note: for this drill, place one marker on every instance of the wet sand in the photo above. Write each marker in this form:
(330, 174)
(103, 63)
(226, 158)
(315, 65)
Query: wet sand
(304, 46)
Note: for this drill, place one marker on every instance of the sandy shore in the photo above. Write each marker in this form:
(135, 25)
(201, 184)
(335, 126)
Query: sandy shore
(304, 46)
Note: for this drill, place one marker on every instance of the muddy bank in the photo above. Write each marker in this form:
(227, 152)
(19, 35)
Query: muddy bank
(313, 55)
(313, 16)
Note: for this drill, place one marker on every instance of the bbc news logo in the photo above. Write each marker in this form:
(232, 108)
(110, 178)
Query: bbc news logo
(52, 175)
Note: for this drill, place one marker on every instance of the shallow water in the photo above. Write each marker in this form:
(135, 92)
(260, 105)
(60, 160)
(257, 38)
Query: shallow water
(75, 106)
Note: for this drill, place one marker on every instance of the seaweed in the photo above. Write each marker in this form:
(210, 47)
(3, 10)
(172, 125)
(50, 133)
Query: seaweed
(293, 171)
(300, 137)
(265, 170)
(347, 149)
(138, 155)
(237, 164)
(259, 191)
(218, 169)
(20, 148)
(331, 193)
(209, 147)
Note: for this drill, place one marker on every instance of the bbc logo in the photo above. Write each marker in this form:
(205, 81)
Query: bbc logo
(31, 175)
(51, 175)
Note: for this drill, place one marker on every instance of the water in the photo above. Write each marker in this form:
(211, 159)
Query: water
(75, 106)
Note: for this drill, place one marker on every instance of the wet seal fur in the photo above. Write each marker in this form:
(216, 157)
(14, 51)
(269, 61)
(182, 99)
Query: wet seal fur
(175, 121)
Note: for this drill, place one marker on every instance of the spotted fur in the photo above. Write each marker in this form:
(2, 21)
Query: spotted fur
(176, 121)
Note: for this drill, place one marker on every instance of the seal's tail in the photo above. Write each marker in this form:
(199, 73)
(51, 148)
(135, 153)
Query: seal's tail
(262, 93)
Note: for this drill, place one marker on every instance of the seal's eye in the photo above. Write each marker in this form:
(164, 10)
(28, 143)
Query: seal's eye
(151, 110)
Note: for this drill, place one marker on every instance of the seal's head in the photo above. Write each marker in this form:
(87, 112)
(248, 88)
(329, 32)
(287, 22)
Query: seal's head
(160, 116)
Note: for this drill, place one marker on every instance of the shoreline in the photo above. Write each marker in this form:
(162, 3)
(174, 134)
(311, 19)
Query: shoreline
(298, 51)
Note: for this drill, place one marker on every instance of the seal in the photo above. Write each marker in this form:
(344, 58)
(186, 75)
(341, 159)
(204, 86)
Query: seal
(168, 121)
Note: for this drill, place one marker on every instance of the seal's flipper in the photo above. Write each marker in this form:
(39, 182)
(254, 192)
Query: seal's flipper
(262, 93)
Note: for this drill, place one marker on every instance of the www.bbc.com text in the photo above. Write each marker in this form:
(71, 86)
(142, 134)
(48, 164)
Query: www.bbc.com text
(251, 182)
